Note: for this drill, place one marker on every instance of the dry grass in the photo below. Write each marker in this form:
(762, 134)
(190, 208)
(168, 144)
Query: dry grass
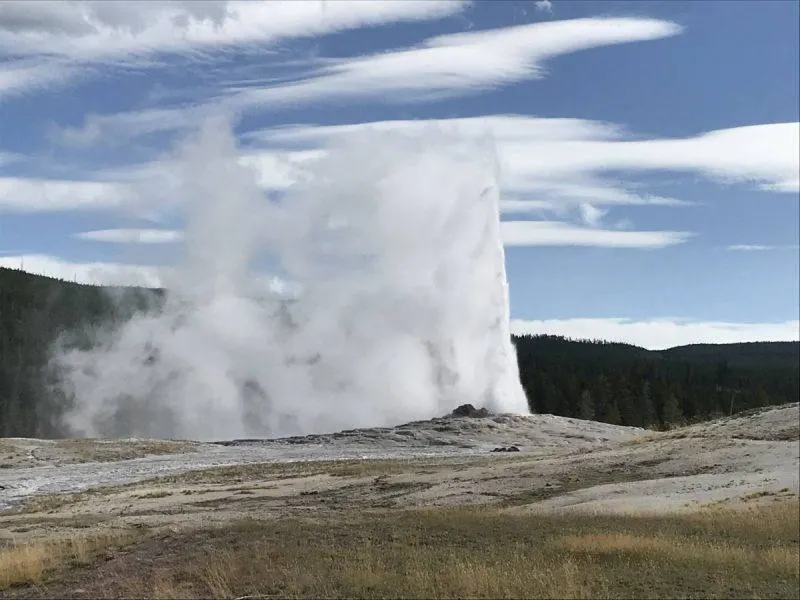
(470, 553)
(32, 562)
(285, 470)
(154, 495)
(91, 450)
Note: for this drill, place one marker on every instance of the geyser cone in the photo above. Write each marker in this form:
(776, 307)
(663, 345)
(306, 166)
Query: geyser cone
(399, 308)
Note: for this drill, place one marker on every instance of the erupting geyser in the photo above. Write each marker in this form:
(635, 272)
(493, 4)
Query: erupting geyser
(397, 306)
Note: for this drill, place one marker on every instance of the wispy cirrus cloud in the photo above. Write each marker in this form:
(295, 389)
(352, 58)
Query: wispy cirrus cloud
(458, 63)
(565, 157)
(559, 167)
(765, 155)
(760, 247)
(555, 233)
(551, 169)
(659, 334)
(31, 195)
(53, 41)
(93, 28)
(131, 236)
(447, 65)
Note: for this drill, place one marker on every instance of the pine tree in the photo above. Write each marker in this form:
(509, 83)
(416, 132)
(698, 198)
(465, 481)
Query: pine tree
(646, 410)
(671, 412)
(611, 414)
(586, 406)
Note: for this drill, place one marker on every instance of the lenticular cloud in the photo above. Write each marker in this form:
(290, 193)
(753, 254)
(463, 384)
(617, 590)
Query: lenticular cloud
(394, 305)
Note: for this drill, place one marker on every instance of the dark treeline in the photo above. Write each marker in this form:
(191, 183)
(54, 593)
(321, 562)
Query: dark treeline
(628, 385)
(615, 383)
(35, 312)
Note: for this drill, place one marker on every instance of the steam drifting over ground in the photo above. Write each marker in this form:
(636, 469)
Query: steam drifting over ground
(398, 307)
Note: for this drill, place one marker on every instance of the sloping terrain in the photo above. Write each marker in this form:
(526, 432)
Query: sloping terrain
(46, 466)
(133, 518)
(562, 464)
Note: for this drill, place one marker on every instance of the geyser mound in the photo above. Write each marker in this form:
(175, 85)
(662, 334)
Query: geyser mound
(398, 311)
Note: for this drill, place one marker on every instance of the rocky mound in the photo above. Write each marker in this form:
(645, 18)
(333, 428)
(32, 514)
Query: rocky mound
(467, 410)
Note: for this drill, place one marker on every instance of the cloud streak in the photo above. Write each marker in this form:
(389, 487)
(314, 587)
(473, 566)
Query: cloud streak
(30, 195)
(131, 236)
(555, 233)
(760, 247)
(659, 334)
(566, 157)
(458, 63)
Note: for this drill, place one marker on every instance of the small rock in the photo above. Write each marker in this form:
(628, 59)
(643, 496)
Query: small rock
(504, 449)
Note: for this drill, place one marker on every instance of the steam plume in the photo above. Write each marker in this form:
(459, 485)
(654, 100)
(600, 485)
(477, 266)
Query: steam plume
(398, 307)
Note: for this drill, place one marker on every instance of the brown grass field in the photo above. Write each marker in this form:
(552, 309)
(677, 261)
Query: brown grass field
(748, 552)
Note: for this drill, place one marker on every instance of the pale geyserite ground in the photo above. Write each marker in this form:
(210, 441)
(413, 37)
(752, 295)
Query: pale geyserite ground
(564, 465)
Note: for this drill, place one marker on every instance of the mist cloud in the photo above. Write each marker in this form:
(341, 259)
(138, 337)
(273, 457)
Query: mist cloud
(396, 307)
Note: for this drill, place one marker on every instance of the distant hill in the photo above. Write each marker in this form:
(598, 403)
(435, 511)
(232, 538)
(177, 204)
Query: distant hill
(767, 354)
(746, 354)
(606, 381)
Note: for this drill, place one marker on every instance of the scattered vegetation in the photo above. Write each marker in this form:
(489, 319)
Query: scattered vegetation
(36, 561)
(154, 495)
(465, 553)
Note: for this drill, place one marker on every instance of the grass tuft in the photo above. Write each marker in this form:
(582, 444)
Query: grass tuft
(31, 562)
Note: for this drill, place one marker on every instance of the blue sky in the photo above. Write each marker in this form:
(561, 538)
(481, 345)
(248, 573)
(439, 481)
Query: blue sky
(649, 150)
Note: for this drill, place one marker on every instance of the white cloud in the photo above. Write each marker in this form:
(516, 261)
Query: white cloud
(94, 29)
(591, 215)
(768, 155)
(658, 334)
(445, 65)
(551, 169)
(555, 233)
(120, 128)
(500, 127)
(750, 247)
(96, 273)
(22, 75)
(459, 63)
(81, 33)
(543, 6)
(565, 158)
(28, 195)
(759, 247)
(132, 236)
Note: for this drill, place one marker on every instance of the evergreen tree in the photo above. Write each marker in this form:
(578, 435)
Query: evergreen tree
(671, 411)
(646, 408)
(586, 406)
(611, 414)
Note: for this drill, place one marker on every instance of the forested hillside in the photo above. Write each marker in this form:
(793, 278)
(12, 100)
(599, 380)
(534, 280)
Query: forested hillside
(628, 385)
(35, 311)
(616, 383)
